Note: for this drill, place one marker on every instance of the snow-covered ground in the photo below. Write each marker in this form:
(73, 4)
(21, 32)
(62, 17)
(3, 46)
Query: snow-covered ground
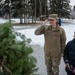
(3, 20)
(38, 43)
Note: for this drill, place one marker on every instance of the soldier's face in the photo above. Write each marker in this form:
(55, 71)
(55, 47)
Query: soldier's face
(53, 21)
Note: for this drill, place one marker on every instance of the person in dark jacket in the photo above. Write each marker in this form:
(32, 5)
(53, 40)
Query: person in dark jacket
(59, 21)
(69, 57)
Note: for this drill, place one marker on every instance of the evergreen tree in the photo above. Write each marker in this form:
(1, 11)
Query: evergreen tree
(60, 7)
(25, 8)
(1, 13)
(73, 13)
(74, 8)
(7, 9)
(37, 8)
(32, 4)
(44, 7)
(15, 54)
(18, 9)
(21, 9)
(41, 7)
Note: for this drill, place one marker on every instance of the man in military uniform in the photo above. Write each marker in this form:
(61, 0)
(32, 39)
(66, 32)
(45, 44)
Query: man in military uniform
(55, 39)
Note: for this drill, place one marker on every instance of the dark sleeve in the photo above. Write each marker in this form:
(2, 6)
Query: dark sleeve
(66, 52)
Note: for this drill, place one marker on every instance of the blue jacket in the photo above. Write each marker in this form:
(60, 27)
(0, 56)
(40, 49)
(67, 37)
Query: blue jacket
(69, 52)
(59, 20)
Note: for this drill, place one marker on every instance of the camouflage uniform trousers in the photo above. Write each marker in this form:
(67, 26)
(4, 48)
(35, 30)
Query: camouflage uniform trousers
(52, 65)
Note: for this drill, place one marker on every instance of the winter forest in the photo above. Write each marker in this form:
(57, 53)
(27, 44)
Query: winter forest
(35, 9)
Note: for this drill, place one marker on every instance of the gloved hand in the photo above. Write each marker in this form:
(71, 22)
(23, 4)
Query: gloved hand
(67, 64)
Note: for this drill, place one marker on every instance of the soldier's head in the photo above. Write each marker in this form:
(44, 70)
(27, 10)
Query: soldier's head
(53, 19)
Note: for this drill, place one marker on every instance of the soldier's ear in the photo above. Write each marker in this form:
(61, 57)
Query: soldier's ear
(56, 20)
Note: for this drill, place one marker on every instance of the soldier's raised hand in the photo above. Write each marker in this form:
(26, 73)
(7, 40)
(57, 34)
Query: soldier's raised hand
(44, 23)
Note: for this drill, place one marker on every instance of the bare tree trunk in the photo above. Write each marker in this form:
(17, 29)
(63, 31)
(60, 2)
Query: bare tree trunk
(35, 11)
(24, 18)
(21, 19)
(32, 17)
(40, 8)
(24, 13)
(45, 8)
(9, 11)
